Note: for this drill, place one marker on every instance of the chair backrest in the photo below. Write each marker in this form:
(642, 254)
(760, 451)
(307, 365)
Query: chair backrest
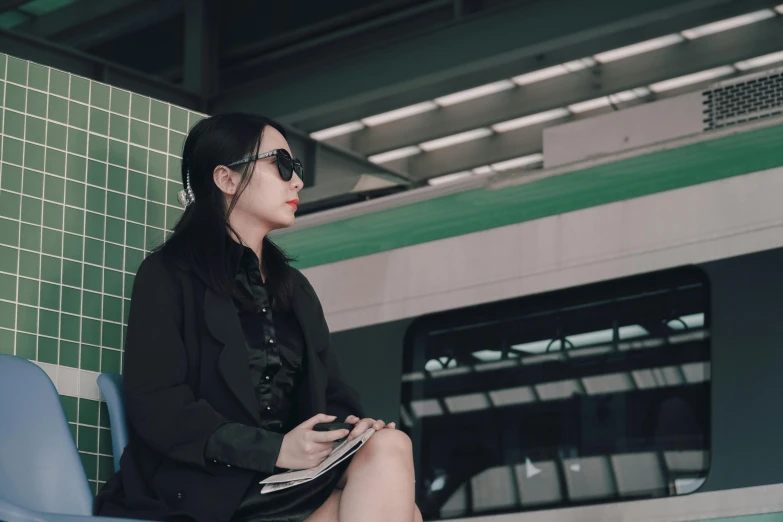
(40, 468)
(111, 388)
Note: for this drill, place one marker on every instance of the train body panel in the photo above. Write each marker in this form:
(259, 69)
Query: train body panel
(730, 230)
(694, 224)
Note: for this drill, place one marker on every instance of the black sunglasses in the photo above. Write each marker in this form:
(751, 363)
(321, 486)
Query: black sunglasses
(285, 164)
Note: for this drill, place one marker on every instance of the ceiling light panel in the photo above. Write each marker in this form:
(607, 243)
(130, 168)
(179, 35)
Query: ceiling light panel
(760, 61)
(483, 171)
(448, 178)
(589, 105)
(533, 119)
(477, 92)
(455, 139)
(639, 92)
(540, 75)
(639, 48)
(339, 130)
(395, 154)
(523, 161)
(579, 65)
(729, 23)
(690, 79)
(553, 72)
(398, 114)
(606, 101)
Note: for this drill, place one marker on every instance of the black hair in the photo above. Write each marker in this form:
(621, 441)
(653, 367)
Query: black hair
(200, 239)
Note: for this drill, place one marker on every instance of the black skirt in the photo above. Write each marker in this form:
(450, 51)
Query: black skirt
(288, 505)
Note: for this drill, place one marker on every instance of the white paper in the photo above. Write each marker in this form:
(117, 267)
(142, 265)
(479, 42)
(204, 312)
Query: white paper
(295, 477)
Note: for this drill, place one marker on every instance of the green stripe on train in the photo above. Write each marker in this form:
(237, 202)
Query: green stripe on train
(482, 209)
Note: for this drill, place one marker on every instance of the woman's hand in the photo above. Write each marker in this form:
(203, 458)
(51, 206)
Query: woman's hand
(362, 425)
(304, 448)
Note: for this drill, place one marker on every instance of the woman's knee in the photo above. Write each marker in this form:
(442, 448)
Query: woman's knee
(390, 441)
(386, 443)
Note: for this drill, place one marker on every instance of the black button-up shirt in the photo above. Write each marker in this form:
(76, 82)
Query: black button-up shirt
(275, 345)
(275, 353)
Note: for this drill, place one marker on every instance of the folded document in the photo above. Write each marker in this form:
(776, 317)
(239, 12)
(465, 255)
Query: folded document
(295, 477)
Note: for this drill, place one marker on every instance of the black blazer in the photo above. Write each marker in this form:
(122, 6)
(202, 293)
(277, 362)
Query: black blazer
(186, 373)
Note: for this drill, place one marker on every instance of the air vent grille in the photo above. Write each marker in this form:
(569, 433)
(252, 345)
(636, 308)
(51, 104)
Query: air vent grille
(743, 99)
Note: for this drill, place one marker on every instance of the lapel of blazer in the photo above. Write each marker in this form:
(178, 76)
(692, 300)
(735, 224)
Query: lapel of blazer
(303, 307)
(223, 323)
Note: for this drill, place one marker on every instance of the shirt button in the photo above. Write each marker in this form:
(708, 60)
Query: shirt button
(268, 408)
(263, 310)
(266, 377)
(271, 341)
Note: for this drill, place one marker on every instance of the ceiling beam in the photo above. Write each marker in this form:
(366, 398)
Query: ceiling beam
(638, 71)
(8, 5)
(70, 16)
(76, 62)
(445, 58)
(630, 32)
(88, 23)
(529, 140)
(201, 47)
(243, 63)
(371, 16)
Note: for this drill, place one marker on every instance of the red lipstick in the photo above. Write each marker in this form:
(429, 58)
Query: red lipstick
(294, 203)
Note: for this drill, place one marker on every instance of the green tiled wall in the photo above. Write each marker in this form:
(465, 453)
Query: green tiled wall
(88, 181)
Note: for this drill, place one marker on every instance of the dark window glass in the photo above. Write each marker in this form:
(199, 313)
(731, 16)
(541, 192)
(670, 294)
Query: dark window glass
(592, 394)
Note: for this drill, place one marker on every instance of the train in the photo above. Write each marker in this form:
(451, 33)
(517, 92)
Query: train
(621, 360)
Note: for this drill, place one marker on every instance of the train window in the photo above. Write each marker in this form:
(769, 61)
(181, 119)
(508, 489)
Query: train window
(592, 394)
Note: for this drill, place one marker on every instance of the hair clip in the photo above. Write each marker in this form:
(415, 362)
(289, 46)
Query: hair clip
(186, 197)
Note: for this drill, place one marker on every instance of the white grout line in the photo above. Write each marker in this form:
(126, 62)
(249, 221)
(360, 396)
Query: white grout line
(87, 132)
(72, 381)
(40, 245)
(188, 113)
(62, 258)
(87, 183)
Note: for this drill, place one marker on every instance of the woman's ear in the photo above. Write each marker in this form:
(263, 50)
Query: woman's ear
(226, 179)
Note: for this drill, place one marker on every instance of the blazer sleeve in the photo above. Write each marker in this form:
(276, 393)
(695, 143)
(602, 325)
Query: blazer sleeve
(160, 405)
(342, 400)
(246, 447)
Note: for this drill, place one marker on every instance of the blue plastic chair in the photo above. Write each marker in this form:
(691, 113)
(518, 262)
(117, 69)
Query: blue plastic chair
(41, 474)
(111, 388)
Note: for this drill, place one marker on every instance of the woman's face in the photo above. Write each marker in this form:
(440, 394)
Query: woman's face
(268, 200)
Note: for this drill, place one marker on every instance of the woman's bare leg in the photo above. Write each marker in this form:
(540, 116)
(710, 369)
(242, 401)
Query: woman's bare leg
(333, 511)
(329, 510)
(379, 485)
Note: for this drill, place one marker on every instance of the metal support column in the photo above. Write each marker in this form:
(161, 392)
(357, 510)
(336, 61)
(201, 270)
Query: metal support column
(201, 55)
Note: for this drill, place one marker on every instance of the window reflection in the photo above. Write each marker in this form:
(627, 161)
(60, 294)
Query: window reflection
(586, 395)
